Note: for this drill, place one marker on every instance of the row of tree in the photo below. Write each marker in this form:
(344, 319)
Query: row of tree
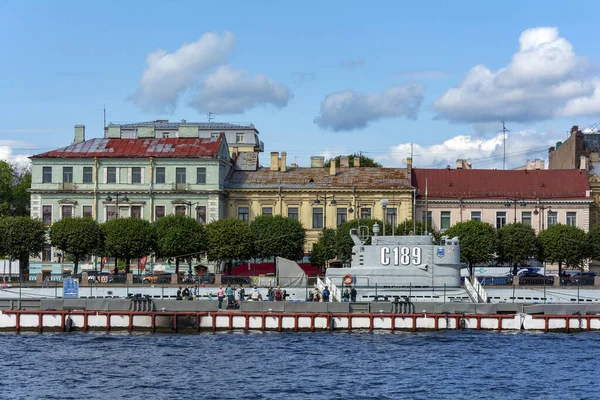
(481, 243)
(15, 182)
(175, 237)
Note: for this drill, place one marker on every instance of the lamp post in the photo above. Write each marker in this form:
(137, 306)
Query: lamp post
(536, 212)
(117, 195)
(514, 201)
(333, 202)
(384, 204)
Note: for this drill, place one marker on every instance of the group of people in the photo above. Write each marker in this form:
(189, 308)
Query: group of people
(189, 293)
(316, 296)
(236, 297)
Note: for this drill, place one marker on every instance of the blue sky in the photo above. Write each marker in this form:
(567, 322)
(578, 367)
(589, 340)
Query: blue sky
(314, 77)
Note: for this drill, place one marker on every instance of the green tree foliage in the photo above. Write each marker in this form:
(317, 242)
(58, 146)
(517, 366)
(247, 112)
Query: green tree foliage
(343, 242)
(21, 238)
(229, 239)
(364, 161)
(78, 237)
(477, 242)
(517, 243)
(407, 226)
(564, 245)
(325, 248)
(15, 182)
(128, 238)
(277, 236)
(593, 241)
(179, 237)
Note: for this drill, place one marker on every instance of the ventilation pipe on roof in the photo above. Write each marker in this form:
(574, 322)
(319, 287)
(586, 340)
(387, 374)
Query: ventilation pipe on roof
(317, 161)
(79, 134)
(583, 163)
(344, 162)
(283, 161)
(356, 162)
(332, 168)
(274, 161)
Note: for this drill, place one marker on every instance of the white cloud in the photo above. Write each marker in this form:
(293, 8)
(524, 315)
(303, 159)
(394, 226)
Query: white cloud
(485, 153)
(545, 79)
(168, 75)
(230, 91)
(6, 154)
(347, 110)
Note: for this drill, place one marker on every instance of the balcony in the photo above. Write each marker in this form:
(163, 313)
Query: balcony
(67, 186)
(181, 187)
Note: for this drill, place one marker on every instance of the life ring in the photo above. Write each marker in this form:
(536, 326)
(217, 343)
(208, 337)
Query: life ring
(347, 279)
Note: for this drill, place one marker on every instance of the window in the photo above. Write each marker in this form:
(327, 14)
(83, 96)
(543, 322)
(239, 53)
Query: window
(159, 212)
(429, 218)
(160, 174)
(571, 218)
(293, 213)
(67, 211)
(200, 176)
(365, 213)
(180, 175)
(111, 213)
(201, 214)
(476, 215)
(87, 211)
(390, 217)
(111, 175)
(243, 214)
(317, 218)
(500, 219)
(180, 210)
(445, 220)
(68, 174)
(526, 218)
(124, 212)
(136, 212)
(136, 175)
(267, 211)
(165, 135)
(552, 218)
(342, 216)
(47, 253)
(47, 215)
(239, 138)
(46, 174)
(215, 135)
(88, 175)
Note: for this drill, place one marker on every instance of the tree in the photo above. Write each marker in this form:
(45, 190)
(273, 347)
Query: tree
(15, 182)
(477, 241)
(128, 238)
(343, 242)
(364, 161)
(277, 236)
(593, 242)
(418, 228)
(517, 243)
(179, 236)
(229, 239)
(77, 237)
(563, 244)
(21, 238)
(324, 249)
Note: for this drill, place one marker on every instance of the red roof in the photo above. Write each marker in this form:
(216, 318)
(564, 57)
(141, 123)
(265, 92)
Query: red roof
(138, 148)
(485, 183)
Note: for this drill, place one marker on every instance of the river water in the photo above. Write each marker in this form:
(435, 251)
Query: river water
(436, 365)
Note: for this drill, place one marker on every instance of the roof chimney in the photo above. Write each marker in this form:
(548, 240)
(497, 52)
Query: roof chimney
(317, 161)
(282, 161)
(409, 168)
(79, 134)
(459, 163)
(332, 168)
(274, 161)
(356, 162)
(583, 163)
(344, 162)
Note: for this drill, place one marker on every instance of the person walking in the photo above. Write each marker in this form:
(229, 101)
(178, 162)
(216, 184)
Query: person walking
(220, 296)
(326, 294)
(229, 292)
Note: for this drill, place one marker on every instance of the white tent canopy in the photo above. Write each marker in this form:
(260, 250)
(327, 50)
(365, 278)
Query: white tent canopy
(288, 275)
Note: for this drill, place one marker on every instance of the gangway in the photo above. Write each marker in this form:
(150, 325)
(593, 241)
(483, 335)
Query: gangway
(476, 292)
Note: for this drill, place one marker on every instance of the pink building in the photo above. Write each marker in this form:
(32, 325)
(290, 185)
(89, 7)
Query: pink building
(539, 198)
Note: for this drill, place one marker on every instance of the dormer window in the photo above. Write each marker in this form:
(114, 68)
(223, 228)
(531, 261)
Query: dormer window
(239, 138)
(165, 135)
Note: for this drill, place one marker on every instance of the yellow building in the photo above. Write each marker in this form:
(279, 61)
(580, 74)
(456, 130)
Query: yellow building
(320, 197)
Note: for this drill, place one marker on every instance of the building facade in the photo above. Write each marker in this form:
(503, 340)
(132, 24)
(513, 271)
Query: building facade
(320, 197)
(145, 177)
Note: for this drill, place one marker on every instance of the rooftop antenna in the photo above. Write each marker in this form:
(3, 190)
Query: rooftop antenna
(504, 131)
(105, 115)
(211, 116)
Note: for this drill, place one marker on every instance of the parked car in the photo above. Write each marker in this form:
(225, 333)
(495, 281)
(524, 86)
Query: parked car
(583, 278)
(534, 278)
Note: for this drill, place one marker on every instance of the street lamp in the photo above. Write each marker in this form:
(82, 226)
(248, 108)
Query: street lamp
(384, 204)
(536, 212)
(332, 202)
(514, 201)
(117, 195)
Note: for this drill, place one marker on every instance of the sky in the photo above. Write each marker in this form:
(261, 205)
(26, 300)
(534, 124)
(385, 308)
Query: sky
(314, 77)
